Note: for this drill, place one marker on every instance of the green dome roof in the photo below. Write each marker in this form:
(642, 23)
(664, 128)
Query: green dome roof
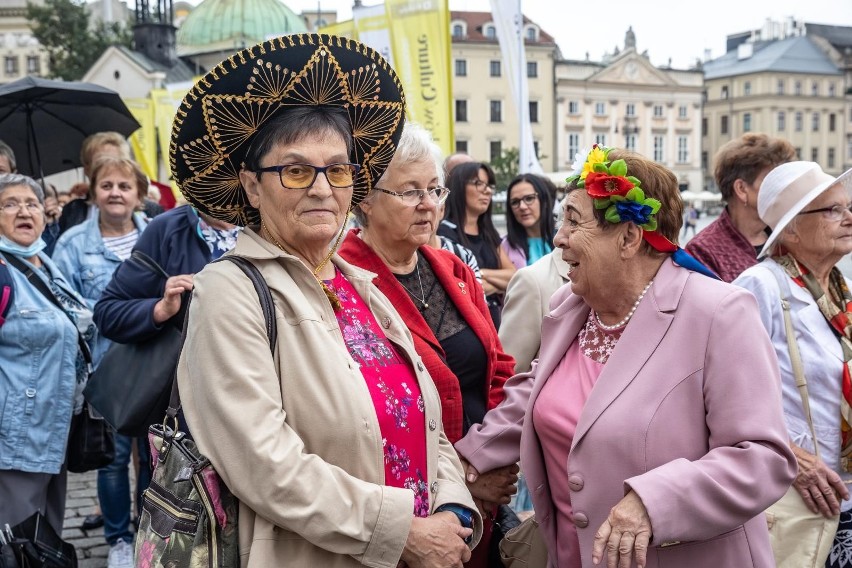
(229, 25)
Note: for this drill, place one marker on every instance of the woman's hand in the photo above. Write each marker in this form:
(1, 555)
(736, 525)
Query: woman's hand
(820, 487)
(496, 486)
(436, 542)
(625, 534)
(169, 305)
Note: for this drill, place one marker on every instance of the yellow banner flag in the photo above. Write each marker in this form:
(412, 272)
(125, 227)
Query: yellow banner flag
(165, 107)
(420, 41)
(343, 29)
(144, 141)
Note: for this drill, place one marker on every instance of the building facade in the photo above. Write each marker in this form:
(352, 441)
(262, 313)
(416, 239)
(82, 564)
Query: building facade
(626, 102)
(790, 88)
(485, 120)
(20, 51)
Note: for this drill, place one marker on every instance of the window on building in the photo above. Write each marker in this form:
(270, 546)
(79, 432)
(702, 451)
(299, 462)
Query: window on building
(831, 158)
(723, 125)
(705, 160)
(536, 149)
(746, 122)
(532, 69)
(724, 92)
(533, 111)
(815, 154)
(573, 145)
(458, 30)
(573, 107)
(682, 149)
(600, 139)
(461, 67)
(799, 153)
(490, 32)
(600, 109)
(832, 122)
(704, 126)
(630, 142)
(33, 65)
(630, 109)
(495, 149)
(495, 68)
(532, 33)
(496, 111)
(780, 88)
(814, 90)
(782, 121)
(747, 88)
(797, 88)
(682, 111)
(815, 123)
(461, 110)
(799, 122)
(849, 148)
(461, 146)
(11, 65)
(659, 145)
(831, 90)
(658, 111)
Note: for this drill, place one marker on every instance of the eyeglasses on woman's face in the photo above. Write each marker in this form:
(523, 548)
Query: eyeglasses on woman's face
(303, 176)
(835, 212)
(481, 185)
(527, 200)
(414, 197)
(13, 207)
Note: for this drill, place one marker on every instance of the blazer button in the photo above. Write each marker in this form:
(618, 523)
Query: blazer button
(581, 520)
(575, 482)
(386, 322)
(434, 487)
(432, 424)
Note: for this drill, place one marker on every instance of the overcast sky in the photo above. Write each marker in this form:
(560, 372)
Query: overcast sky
(680, 30)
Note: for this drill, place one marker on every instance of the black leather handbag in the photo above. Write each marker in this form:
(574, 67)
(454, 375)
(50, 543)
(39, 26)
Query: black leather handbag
(131, 386)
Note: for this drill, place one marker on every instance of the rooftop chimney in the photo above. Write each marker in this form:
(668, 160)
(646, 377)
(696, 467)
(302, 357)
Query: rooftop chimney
(153, 34)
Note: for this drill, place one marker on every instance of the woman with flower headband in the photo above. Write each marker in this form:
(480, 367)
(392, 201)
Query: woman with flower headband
(333, 445)
(643, 443)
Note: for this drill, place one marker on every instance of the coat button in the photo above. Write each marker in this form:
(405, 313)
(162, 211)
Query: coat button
(386, 322)
(434, 487)
(575, 482)
(419, 366)
(30, 393)
(581, 520)
(432, 424)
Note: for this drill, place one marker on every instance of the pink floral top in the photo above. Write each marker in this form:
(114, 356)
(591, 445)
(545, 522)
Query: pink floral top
(395, 392)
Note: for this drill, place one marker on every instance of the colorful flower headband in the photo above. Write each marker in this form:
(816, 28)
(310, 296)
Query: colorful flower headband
(610, 188)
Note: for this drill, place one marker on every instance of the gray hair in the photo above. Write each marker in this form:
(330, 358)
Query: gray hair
(415, 146)
(782, 239)
(11, 180)
(6, 150)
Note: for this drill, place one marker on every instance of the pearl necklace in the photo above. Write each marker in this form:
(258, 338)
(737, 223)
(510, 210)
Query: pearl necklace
(422, 298)
(629, 315)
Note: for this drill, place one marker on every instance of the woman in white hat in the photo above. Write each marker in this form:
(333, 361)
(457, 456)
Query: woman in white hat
(810, 216)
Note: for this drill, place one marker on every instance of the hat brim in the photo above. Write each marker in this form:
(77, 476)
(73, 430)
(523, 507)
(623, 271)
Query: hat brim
(220, 116)
(844, 179)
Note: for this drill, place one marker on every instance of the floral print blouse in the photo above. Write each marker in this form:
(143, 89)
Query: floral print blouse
(395, 392)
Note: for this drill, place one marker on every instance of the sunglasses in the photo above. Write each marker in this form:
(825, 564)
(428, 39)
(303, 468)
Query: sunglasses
(303, 176)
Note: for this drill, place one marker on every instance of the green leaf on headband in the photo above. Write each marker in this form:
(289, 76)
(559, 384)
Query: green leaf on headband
(636, 194)
(612, 215)
(634, 180)
(651, 225)
(600, 168)
(618, 168)
(602, 203)
(653, 204)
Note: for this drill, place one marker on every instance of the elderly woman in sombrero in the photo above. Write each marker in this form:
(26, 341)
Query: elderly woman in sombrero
(644, 445)
(333, 446)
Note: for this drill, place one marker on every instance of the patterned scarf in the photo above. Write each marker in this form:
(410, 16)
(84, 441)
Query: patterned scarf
(840, 321)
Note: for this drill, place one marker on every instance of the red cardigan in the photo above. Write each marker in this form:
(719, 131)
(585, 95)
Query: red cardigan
(465, 292)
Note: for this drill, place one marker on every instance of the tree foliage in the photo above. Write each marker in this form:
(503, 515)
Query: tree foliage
(506, 167)
(73, 43)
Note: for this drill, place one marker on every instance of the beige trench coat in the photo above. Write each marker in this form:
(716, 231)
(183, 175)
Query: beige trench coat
(296, 437)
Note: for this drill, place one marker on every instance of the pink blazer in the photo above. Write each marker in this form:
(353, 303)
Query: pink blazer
(687, 413)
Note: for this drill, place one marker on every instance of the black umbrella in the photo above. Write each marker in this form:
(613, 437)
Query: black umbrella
(46, 121)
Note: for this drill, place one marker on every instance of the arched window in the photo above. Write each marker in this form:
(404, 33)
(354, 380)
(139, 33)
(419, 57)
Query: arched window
(489, 31)
(531, 33)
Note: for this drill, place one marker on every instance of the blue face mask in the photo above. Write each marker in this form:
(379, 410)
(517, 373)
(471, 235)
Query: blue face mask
(24, 252)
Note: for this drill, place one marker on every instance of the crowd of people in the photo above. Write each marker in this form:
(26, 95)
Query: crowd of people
(652, 405)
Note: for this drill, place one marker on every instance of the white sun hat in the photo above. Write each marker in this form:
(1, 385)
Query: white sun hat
(787, 190)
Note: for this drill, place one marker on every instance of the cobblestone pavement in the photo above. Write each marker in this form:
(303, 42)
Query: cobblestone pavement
(82, 500)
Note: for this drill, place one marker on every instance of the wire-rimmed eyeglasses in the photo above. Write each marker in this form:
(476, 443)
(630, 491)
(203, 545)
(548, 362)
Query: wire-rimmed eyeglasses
(415, 197)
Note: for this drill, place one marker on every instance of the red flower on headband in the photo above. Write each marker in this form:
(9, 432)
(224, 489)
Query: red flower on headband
(602, 186)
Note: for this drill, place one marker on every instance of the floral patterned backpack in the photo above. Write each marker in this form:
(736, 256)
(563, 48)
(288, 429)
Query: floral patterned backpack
(189, 516)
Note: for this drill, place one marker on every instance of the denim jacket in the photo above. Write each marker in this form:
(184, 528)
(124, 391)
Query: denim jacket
(38, 349)
(88, 264)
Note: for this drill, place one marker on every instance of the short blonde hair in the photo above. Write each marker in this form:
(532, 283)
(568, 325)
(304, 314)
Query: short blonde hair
(91, 144)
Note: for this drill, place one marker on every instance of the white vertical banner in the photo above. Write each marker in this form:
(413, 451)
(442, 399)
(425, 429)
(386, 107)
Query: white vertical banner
(371, 26)
(509, 23)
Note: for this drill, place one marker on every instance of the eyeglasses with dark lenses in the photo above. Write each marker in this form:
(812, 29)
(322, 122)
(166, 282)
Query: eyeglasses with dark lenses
(415, 197)
(835, 212)
(528, 200)
(482, 185)
(303, 176)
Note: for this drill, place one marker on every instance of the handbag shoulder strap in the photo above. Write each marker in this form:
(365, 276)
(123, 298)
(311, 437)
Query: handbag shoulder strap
(149, 263)
(45, 290)
(796, 357)
(267, 307)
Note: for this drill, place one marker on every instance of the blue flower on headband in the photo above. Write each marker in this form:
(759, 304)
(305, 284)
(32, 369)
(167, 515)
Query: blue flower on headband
(639, 213)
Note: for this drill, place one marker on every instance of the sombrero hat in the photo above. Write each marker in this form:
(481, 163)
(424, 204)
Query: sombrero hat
(219, 117)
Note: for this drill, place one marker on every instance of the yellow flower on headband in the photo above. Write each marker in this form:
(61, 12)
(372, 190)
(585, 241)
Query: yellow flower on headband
(596, 156)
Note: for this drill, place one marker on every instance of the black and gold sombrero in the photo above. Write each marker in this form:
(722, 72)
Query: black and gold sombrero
(220, 115)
